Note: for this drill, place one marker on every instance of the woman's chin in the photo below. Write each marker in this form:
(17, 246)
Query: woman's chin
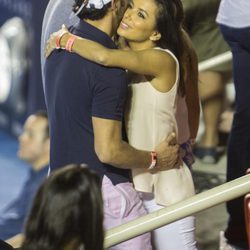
(119, 31)
(122, 32)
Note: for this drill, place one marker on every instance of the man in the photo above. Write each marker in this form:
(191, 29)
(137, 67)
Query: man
(85, 104)
(34, 146)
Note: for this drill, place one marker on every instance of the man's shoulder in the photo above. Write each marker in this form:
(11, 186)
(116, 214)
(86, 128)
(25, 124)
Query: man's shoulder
(110, 74)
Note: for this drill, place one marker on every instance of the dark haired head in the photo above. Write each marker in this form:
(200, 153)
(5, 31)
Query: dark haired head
(67, 211)
(91, 12)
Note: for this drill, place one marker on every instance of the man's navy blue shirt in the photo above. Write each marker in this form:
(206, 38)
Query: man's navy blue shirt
(76, 90)
(13, 217)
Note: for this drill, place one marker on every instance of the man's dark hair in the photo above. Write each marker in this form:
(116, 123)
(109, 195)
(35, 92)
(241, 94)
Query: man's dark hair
(43, 114)
(90, 13)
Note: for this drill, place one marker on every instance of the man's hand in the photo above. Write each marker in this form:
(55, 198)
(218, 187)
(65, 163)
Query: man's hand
(167, 153)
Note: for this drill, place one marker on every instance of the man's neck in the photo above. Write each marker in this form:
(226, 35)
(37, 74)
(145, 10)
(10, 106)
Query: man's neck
(40, 163)
(104, 24)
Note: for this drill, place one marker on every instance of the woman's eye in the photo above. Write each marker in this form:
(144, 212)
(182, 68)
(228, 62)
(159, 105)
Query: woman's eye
(141, 15)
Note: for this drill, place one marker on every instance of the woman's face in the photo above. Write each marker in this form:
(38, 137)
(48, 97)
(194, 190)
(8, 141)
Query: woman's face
(139, 21)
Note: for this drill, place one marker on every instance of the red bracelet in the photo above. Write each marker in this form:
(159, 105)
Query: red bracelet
(70, 43)
(153, 160)
(58, 39)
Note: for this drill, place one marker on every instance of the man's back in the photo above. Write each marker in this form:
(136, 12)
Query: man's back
(77, 90)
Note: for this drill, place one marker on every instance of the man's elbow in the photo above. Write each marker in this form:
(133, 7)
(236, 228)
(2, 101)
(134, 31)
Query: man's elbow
(102, 58)
(104, 154)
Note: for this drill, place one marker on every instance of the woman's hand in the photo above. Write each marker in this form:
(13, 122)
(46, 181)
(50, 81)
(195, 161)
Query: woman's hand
(54, 39)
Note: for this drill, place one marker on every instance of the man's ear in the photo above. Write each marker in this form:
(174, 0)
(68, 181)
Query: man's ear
(113, 5)
(156, 36)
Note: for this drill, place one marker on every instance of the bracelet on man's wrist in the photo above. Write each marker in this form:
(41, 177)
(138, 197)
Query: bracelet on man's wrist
(153, 160)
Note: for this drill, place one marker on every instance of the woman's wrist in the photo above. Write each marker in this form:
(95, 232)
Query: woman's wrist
(64, 40)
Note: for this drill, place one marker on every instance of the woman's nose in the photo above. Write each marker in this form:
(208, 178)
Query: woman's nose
(127, 14)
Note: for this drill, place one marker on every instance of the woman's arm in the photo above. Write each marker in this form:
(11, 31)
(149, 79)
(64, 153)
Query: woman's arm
(145, 62)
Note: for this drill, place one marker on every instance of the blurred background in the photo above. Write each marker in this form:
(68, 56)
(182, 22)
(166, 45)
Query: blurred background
(21, 92)
(20, 73)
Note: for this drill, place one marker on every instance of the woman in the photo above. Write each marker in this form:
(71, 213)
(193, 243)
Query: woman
(157, 105)
(67, 212)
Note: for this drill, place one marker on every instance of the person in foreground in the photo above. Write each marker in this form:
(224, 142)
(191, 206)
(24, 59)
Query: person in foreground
(160, 89)
(67, 212)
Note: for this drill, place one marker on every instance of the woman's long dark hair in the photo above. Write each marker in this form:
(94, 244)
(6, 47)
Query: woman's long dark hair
(169, 23)
(67, 210)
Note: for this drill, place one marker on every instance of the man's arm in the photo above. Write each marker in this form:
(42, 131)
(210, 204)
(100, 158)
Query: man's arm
(111, 149)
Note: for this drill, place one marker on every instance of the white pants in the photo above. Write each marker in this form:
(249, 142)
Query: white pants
(179, 235)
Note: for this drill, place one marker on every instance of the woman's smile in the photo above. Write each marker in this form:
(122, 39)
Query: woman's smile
(124, 25)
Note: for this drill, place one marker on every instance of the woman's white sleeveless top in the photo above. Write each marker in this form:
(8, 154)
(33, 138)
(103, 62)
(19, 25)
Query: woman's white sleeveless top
(150, 117)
